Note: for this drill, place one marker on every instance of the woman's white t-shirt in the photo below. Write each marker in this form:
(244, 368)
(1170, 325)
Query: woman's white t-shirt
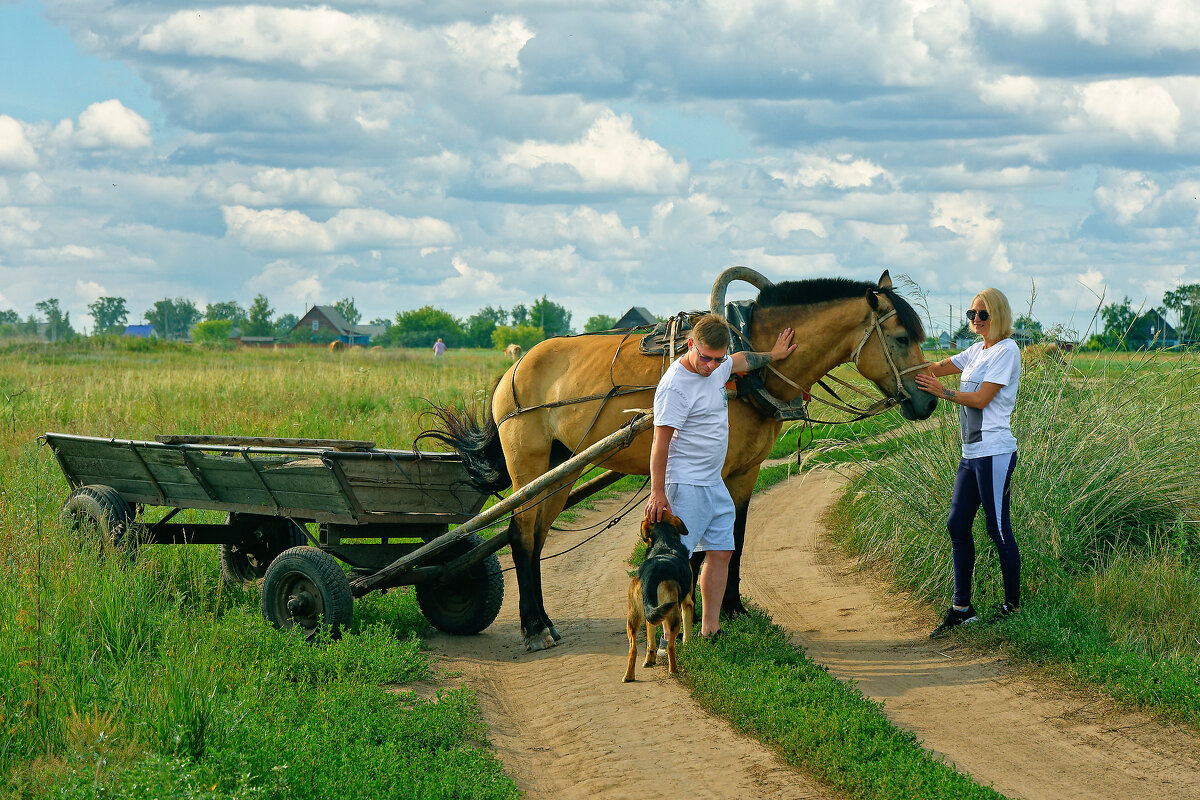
(988, 431)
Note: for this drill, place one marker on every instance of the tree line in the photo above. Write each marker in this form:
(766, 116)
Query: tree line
(178, 318)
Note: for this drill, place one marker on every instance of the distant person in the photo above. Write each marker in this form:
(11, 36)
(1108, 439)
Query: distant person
(439, 349)
(991, 372)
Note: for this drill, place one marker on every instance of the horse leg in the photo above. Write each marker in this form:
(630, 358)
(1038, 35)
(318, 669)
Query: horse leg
(526, 555)
(740, 486)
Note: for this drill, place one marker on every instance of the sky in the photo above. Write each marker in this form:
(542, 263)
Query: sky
(604, 154)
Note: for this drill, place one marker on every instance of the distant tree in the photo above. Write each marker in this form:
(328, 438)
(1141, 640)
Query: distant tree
(1118, 317)
(58, 322)
(479, 326)
(213, 331)
(258, 318)
(600, 322)
(524, 335)
(423, 326)
(172, 319)
(552, 318)
(1185, 301)
(346, 308)
(1029, 325)
(228, 309)
(9, 317)
(283, 326)
(109, 314)
(519, 315)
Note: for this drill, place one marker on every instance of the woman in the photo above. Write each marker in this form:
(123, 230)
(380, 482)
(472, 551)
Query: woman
(991, 371)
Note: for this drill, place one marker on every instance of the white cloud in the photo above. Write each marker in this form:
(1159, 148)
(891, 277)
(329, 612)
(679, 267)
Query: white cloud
(16, 151)
(17, 227)
(281, 230)
(289, 286)
(1126, 195)
(111, 125)
(843, 172)
(583, 225)
(610, 156)
(787, 222)
(1139, 108)
(1011, 92)
(281, 187)
(968, 216)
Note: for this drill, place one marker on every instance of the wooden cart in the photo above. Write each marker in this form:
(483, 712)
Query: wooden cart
(387, 514)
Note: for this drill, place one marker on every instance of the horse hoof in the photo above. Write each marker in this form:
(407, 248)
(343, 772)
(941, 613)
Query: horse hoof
(535, 643)
(554, 633)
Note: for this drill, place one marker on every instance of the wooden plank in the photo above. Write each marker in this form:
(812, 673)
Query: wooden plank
(394, 499)
(191, 495)
(267, 441)
(423, 472)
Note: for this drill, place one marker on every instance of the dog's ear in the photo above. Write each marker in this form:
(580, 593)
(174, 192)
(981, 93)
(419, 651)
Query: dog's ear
(647, 527)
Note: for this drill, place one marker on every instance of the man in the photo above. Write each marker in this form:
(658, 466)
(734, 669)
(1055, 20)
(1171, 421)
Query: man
(691, 436)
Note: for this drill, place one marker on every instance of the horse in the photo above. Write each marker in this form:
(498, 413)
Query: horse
(569, 392)
(513, 351)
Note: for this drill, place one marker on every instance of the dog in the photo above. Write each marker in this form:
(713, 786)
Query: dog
(660, 593)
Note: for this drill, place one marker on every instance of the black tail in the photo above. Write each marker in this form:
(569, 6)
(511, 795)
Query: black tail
(476, 440)
(655, 614)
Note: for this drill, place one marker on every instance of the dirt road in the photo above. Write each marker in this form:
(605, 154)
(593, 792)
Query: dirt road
(566, 727)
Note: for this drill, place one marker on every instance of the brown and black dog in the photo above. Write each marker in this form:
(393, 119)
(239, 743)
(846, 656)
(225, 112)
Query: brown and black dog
(661, 592)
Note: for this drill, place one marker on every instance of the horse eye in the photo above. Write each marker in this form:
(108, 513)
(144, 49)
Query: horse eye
(902, 341)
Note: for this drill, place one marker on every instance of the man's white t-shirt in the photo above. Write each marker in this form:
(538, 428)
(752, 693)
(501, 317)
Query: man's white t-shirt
(988, 431)
(697, 408)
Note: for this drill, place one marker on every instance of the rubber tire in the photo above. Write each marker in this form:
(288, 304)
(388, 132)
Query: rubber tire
(241, 567)
(318, 576)
(103, 507)
(471, 602)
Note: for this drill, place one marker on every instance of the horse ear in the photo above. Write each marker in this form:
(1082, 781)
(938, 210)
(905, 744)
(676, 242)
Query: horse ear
(885, 280)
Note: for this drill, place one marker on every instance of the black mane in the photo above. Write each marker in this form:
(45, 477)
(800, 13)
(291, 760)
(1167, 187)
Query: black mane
(824, 290)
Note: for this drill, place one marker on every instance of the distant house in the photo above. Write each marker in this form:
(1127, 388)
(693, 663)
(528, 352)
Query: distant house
(636, 317)
(140, 331)
(944, 342)
(328, 319)
(255, 341)
(1152, 330)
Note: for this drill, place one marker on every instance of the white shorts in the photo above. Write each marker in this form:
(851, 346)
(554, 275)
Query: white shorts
(708, 513)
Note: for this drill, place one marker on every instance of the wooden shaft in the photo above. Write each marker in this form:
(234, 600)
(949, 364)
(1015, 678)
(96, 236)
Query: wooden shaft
(614, 441)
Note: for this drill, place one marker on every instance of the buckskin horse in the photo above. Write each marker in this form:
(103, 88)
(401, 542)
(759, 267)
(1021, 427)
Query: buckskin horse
(569, 392)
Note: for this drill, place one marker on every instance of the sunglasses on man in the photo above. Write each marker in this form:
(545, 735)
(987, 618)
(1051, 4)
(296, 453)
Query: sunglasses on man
(972, 314)
(714, 360)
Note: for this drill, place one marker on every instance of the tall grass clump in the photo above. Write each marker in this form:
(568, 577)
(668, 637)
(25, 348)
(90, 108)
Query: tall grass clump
(1105, 508)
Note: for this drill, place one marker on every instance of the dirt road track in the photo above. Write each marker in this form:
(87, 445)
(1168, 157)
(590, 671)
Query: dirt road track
(566, 727)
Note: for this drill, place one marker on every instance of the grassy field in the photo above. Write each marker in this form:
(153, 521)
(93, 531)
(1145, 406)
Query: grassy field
(155, 679)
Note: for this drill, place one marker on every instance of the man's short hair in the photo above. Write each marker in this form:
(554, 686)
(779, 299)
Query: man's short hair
(711, 331)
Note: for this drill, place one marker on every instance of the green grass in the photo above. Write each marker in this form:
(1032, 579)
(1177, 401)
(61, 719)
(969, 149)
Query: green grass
(1106, 511)
(154, 679)
(771, 690)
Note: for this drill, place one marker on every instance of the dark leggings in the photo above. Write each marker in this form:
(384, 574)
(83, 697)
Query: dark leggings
(983, 481)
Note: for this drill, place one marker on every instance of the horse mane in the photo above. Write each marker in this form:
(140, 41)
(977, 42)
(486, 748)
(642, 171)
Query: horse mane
(824, 290)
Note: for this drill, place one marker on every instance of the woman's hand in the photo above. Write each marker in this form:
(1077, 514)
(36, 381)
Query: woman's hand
(931, 384)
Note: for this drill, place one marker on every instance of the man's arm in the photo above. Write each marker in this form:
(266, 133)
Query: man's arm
(659, 448)
(748, 361)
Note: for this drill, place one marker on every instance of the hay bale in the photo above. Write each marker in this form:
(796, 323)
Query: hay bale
(1044, 354)
(337, 346)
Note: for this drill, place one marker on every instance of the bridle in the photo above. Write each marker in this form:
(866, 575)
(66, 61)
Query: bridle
(875, 325)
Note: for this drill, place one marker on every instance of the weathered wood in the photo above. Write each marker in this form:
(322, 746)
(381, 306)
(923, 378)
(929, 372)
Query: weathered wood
(267, 441)
(396, 570)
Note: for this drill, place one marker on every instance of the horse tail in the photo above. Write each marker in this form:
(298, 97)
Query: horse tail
(474, 436)
(656, 614)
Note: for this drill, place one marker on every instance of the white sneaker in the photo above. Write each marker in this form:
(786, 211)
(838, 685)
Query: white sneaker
(662, 647)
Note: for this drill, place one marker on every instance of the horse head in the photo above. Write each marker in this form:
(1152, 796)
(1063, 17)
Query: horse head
(889, 351)
(883, 339)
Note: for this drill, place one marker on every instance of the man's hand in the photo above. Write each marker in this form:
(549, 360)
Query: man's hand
(784, 345)
(656, 505)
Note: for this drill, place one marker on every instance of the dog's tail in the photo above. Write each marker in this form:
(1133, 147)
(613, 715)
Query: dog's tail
(656, 613)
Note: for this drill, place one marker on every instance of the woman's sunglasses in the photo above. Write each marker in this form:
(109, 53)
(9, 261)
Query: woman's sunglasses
(972, 314)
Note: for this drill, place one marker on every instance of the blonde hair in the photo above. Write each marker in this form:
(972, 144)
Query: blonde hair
(712, 331)
(998, 311)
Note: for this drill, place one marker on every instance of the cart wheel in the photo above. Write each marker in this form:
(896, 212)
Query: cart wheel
(263, 539)
(101, 509)
(306, 587)
(469, 601)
